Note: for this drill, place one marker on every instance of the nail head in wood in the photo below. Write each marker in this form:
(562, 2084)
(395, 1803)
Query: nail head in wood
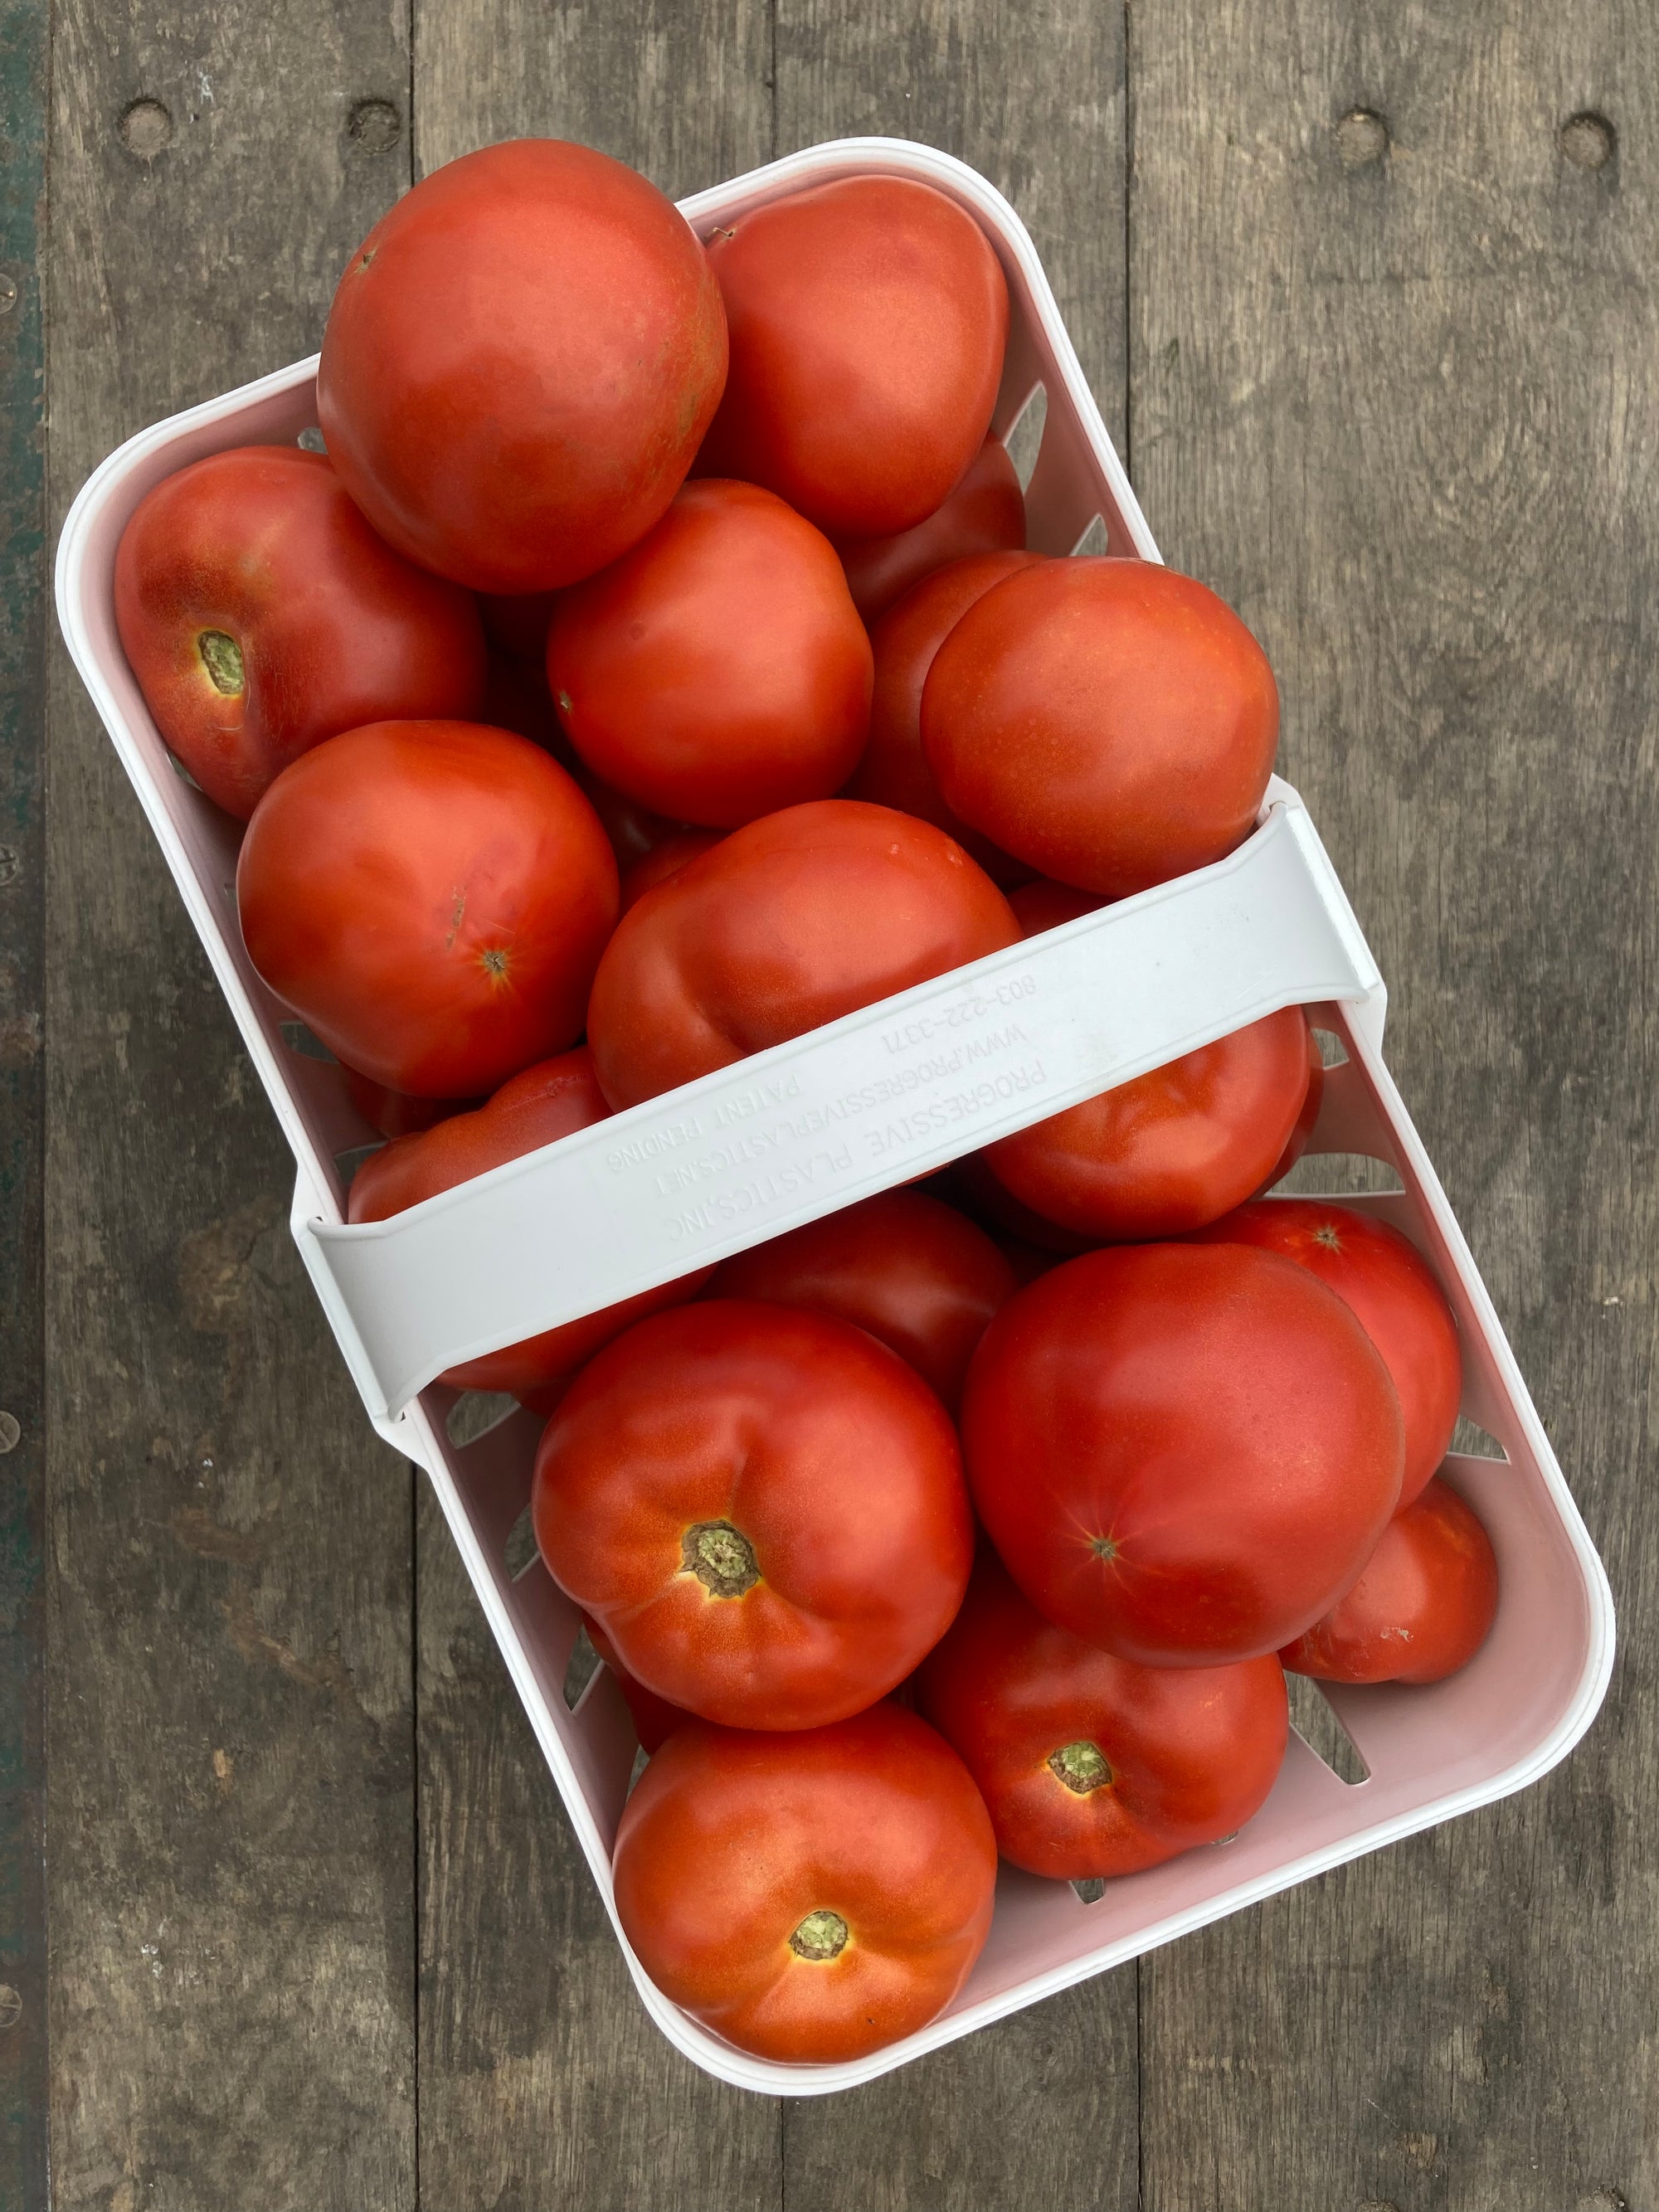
(10, 1432)
(1362, 137)
(146, 129)
(373, 126)
(1590, 141)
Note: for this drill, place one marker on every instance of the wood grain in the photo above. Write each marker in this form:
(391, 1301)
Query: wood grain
(230, 1806)
(23, 2073)
(1397, 401)
(543, 2083)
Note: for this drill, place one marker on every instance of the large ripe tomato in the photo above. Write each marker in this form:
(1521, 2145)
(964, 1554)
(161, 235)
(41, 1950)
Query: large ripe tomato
(985, 514)
(893, 771)
(519, 361)
(1421, 1608)
(432, 897)
(1183, 1453)
(1171, 1149)
(1108, 721)
(867, 322)
(1389, 1284)
(786, 924)
(552, 1100)
(1090, 1766)
(808, 1897)
(763, 1508)
(719, 670)
(915, 1273)
(261, 614)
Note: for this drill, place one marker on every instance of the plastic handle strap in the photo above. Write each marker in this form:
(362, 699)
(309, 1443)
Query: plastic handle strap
(874, 1099)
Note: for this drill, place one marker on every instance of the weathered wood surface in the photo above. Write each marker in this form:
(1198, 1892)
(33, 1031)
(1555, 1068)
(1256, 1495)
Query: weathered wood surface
(1395, 390)
(24, 2081)
(320, 1935)
(231, 1804)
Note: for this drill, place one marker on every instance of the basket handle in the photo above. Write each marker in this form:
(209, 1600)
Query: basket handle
(881, 1097)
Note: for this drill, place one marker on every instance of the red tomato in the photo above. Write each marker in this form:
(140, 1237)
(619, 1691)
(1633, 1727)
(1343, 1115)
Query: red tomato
(914, 1272)
(1108, 721)
(1389, 1285)
(782, 926)
(394, 1113)
(1044, 905)
(763, 1508)
(808, 1897)
(545, 1102)
(654, 1719)
(261, 613)
(719, 670)
(985, 514)
(1172, 1149)
(432, 898)
(1183, 1452)
(1091, 1765)
(516, 622)
(664, 862)
(520, 362)
(867, 321)
(1422, 1607)
(893, 772)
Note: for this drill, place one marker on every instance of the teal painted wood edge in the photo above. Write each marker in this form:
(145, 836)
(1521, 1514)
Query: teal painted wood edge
(23, 66)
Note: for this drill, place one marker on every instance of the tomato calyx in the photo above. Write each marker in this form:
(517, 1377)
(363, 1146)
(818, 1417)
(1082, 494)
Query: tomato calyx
(723, 1560)
(222, 657)
(1103, 1547)
(822, 1935)
(1329, 1235)
(1082, 1766)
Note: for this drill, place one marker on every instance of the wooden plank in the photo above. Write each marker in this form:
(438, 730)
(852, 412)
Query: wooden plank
(23, 41)
(1392, 392)
(542, 2083)
(1039, 2112)
(230, 1810)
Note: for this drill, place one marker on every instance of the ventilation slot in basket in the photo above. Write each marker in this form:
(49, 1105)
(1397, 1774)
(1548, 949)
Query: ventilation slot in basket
(299, 1039)
(1093, 541)
(1025, 438)
(1090, 1890)
(1475, 1442)
(312, 438)
(519, 1553)
(1340, 1175)
(583, 1667)
(1331, 1050)
(476, 1413)
(1317, 1725)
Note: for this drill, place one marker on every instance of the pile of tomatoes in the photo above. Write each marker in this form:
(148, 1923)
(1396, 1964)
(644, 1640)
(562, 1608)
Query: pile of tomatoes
(652, 669)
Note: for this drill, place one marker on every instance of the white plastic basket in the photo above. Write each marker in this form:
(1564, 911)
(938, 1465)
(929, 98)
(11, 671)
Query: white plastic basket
(869, 1102)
